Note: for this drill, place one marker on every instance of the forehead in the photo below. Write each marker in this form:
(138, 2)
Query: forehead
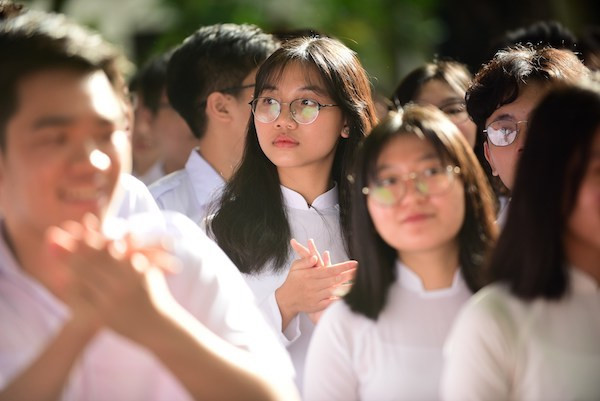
(67, 92)
(520, 109)
(296, 74)
(406, 150)
(437, 92)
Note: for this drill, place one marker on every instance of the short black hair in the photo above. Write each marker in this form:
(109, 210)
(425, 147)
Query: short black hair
(214, 58)
(150, 80)
(36, 41)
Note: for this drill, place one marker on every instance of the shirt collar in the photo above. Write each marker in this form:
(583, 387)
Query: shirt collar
(206, 179)
(411, 281)
(294, 200)
(582, 282)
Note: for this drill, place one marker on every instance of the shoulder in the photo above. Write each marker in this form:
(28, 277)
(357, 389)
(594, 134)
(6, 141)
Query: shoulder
(340, 320)
(171, 183)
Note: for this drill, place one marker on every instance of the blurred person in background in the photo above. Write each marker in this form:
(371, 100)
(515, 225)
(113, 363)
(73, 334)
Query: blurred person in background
(161, 139)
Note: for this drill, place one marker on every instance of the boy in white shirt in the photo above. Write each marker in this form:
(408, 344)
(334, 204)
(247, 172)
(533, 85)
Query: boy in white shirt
(86, 309)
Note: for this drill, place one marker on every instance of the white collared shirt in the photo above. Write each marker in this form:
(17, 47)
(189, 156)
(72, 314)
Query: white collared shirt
(504, 348)
(321, 222)
(154, 173)
(191, 190)
(131, 197)
(111, 367)
(397, 357)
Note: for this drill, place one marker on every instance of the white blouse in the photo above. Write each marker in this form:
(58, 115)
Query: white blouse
(191, 190)
(319, 221)
(503, 348)
(397, 357)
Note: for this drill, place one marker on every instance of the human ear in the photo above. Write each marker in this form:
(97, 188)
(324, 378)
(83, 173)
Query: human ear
(345, 131)
(488, 157)
(217, 107)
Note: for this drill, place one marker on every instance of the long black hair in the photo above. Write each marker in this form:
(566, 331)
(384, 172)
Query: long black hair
(376, 259)
(530, 255)
(251, 224)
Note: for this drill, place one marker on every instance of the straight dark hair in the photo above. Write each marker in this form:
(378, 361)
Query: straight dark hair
(453, 73)
(530, 256)
(250, 224)
(376, 259)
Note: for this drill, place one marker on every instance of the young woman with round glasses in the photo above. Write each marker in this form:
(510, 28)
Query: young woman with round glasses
(312, 106)
(535, 333)
(422, 223)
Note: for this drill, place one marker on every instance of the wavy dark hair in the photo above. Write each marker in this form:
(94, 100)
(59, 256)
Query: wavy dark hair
(376, 259)
(530, 255)
(501, 81)
(250, 224)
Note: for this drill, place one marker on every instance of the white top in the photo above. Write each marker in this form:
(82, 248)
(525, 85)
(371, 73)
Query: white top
(111, 367)
(397, 357)
(153, 174)
(321, 222)
(131, 197)
(503, 348)
(190, 190)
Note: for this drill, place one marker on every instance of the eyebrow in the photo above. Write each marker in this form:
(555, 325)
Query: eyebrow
(504, 116)
(425, 157)
(64, 120)
(309, 88)
(451, 100)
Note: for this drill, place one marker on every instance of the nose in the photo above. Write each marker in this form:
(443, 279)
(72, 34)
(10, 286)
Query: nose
(87, 157)
(414, 190)
(285, 117)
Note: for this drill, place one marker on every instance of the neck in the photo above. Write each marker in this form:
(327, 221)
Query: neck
(436, 267)
(584, 256)
(222, 155)
(175, 163)
(141, 167)
(309, 181)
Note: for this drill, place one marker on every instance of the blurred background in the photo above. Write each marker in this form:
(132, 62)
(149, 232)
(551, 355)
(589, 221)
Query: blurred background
(391, 37)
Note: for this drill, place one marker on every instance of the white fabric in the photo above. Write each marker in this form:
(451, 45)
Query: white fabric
(503, 348)
(132, 196)
(397, 357)
(111, 367)
(153, 174)
(320, 221)
(190, 190)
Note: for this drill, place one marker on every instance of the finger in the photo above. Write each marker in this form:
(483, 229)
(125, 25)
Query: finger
(163, 260)
(326, 259)
(60, 242)
(314, 251)
(342, 289)
(91, 222)
(305, 263)
(300, 249)
(336, 269)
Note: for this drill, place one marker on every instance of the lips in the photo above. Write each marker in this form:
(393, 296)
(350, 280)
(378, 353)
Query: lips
(284, 141)
(416, 218)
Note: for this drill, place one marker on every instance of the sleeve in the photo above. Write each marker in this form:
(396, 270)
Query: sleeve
(329, 372)
(480, 351)
(212, 289)
(270, 309)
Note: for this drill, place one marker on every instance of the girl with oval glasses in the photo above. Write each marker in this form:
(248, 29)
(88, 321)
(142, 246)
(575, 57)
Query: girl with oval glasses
(312, 106)
(423, 221)
(535, 333)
